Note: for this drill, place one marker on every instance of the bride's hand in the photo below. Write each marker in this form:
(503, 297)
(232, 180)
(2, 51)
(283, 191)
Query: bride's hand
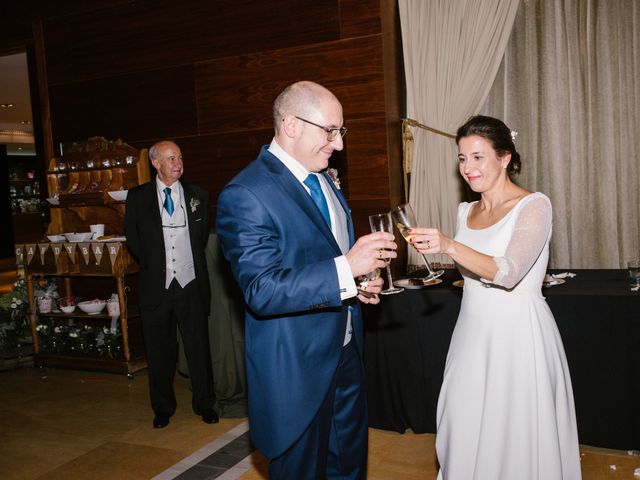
(429, 240)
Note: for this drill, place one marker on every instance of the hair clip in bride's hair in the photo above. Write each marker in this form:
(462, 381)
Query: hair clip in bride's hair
(514, 135)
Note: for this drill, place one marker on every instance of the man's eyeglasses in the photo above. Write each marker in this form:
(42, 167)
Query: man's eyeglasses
(332, 133)
(182, 223)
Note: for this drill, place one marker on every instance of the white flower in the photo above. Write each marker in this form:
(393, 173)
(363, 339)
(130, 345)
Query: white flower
(57, 330)
(14, 305)
(514, 135)
(194, 204)
(73, 334)
(333, 175)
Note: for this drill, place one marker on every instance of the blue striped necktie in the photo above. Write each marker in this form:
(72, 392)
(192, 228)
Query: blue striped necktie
(318, 197)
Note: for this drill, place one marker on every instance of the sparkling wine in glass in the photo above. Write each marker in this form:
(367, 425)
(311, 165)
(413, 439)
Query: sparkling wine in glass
(381, 222)
(404, 218)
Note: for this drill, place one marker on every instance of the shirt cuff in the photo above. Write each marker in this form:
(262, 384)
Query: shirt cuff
(345, 278)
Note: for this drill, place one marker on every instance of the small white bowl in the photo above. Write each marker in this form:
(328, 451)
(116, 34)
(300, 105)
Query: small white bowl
(56, 238)
(119, 195)
(67, 309)
(92, 307)
(79, 237)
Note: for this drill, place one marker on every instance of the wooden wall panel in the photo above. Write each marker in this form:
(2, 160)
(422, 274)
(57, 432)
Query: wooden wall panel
(359, 17)
(367, 162)
(212, 160)
(236, 93)
(132, 107)
(205, 73)
(148, 34)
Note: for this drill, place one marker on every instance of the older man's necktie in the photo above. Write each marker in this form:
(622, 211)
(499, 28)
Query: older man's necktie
(168, 202)
(316, 193)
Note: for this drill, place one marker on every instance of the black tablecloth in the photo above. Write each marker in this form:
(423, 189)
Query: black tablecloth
(407, 337)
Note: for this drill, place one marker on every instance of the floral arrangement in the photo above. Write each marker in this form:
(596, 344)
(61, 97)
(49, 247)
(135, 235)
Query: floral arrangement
(81, 340)
(14, 321)
(45, 288)
(333, 175)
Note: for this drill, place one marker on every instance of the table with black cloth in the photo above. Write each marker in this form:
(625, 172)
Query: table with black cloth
(407, 338)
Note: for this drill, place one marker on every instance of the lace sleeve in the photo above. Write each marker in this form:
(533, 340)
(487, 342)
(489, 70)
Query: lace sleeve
(530, 233)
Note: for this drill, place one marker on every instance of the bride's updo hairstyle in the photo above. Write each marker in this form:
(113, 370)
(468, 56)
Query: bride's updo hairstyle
(497, 133)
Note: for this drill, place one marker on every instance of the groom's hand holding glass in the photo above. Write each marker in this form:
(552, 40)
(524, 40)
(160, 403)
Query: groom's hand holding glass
(368, 253)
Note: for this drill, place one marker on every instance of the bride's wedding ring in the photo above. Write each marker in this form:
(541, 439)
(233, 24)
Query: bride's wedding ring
(364, 285)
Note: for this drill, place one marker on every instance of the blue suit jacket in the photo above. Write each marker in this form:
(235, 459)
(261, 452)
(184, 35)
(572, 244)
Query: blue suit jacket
(282, 255)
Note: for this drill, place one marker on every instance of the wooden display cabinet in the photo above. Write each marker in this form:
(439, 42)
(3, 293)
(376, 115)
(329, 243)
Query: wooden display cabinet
(78, 186)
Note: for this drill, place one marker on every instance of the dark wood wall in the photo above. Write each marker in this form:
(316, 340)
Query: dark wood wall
(205, 74)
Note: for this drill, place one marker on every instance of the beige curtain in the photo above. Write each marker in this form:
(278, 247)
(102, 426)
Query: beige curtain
(452, 51)
(569, 85)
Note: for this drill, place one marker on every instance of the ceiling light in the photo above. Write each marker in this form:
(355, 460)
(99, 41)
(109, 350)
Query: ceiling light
(6, 105)
(25, 122)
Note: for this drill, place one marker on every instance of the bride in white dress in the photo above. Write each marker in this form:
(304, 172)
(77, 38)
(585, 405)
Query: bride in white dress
(506, 408)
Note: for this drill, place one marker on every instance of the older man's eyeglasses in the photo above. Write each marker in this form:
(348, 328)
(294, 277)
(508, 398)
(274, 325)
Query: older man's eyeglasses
(332, 133)
(180, 219)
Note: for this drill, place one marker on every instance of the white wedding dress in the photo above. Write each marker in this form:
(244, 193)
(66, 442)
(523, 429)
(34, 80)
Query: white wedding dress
(505, 410)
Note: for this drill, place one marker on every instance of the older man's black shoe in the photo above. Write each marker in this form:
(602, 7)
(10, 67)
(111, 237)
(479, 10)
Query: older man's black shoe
(160, 421)
(210, 416)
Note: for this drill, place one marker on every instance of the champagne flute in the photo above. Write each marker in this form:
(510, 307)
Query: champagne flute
(381, 222)
(404, 218)
(363, 281)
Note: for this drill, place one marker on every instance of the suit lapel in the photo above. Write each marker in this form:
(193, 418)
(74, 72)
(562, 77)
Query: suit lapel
(294, 188)
(191, 205)
(345, 207)
(156, 218)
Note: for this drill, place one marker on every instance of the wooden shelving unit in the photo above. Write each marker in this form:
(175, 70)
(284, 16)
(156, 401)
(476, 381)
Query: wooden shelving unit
(80, 182)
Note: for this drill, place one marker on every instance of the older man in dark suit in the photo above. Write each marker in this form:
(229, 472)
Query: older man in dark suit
(167, 227)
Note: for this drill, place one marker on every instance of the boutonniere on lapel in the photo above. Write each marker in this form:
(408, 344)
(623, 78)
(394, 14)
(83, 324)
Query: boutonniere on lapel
(333, 175)
(193, 203)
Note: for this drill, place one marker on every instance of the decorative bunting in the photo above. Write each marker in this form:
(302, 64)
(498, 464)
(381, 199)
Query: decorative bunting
(114, 250)
(97, 252)
(43, 247)
(71, 251)
(85, 250)
(56, 251)
(19, 254)
(31, 251)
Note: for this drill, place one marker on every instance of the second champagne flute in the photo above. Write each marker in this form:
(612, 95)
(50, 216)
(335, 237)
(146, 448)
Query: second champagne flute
(381, 222)
(404, 219)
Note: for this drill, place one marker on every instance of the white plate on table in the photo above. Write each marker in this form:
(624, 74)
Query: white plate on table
(550, 281)
(118, 195)
(415, 283)
(111, 239)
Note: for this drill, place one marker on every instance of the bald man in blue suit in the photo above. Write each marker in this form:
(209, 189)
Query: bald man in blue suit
(288, 234)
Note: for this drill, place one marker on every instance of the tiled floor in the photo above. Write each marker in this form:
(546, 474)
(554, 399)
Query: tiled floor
(69, 425)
